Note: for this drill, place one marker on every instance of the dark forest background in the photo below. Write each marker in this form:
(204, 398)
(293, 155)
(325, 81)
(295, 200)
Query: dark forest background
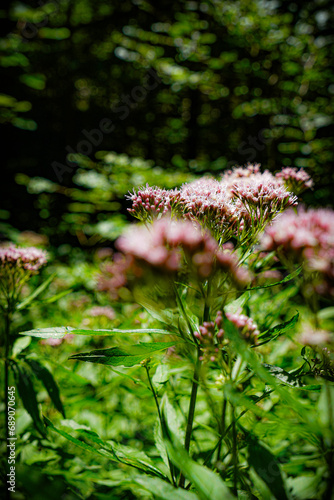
(99, 96)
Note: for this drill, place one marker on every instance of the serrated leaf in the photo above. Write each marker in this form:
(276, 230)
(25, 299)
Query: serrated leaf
(163, 490)
(36, 292)
(43, 374)
(27, 394)
(289, 378)
(126, 356)
(277, 330)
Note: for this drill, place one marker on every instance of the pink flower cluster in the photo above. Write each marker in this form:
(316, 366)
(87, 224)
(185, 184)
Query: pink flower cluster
(295, 180)
(246, 326)
(308, 237)
(169, 246)
(149, 202)
(16, 267)
(244, 198)
(29, 259)
(208, 201)
(210, 335)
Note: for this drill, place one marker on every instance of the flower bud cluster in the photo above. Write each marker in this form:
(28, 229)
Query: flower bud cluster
(246, 326)
(149, 202)
(306, 237)
(29, 259)
(17, 265)
(295, 180)
(210, 337)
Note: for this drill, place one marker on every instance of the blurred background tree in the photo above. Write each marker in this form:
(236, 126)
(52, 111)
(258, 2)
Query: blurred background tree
(99, 96)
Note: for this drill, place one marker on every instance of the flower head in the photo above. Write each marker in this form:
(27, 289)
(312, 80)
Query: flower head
(149, 202)
(29, 259)
(295, 180)
(17, 265)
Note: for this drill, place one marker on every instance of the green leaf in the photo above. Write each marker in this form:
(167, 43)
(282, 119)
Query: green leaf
(208, 484)
(60, 331)
(289, 378)
(49, 333)
(56, 297)
(20, 344)
(36, 292)
(288, 278)
(74, 440)
(278, 330)
(250, 356)
(126, 356)
(27, 393)
(267, 467)
(104, 449)
(163, 490)
(49, 383)
(139, 331)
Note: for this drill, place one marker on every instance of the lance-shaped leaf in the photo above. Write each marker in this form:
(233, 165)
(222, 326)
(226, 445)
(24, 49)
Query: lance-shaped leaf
(267, 467)
(102, 448)
(277, 330)
(48, 381)
(49, 333)
(59, 332)
(27, 393)
(288, 278)
(126, 356)
(36, 292)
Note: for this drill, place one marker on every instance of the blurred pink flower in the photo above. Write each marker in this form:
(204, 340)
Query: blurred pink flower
(104, 311)
(29, 259)
(308, 237)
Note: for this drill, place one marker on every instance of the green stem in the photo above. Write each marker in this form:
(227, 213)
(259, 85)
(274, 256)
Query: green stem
(234, 454)
(147, 368)
(222, 437)
(222, 427)
(181, 306)
(191, 412)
